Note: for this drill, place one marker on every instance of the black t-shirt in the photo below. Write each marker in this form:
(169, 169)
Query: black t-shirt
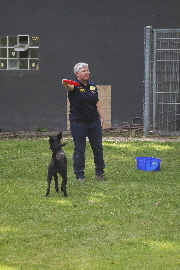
(83, 101)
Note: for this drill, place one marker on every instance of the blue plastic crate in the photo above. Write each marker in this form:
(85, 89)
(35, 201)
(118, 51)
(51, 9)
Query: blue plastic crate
(148, 163)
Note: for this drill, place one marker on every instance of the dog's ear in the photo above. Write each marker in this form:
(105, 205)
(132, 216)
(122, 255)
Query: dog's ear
(59, 136)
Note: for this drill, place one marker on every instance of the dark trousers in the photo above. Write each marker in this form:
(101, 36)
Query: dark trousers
(92, 130)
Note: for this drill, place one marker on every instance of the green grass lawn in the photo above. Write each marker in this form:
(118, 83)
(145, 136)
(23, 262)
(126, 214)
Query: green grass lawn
(130, 221)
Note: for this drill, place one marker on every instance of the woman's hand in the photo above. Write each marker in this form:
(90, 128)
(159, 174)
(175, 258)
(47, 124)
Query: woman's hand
(68, 86)
(99, 110)
(102, 121)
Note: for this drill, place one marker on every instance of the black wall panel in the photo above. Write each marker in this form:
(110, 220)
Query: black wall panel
(107, 34)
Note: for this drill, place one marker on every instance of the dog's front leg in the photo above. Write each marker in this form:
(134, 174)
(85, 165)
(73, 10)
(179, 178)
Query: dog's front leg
(56, 182)
(64, 182)
(63, 188)
(48, 185)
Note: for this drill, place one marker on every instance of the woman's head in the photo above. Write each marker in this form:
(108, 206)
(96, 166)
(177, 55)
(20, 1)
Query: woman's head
(82, 72)
(79, 66)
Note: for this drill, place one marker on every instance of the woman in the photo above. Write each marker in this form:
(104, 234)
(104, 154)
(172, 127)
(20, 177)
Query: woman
(86, 120)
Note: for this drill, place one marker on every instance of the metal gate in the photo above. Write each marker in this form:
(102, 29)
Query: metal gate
(162, 81)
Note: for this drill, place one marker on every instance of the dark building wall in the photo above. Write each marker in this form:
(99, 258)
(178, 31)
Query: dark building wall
(107, 34)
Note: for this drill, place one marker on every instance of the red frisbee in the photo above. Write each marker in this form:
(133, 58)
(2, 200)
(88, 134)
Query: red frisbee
(71, 82)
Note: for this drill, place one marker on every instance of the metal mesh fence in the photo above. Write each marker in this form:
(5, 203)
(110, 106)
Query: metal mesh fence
(162, 81)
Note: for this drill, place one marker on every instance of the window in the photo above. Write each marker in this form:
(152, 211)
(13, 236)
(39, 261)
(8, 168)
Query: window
(19, 52)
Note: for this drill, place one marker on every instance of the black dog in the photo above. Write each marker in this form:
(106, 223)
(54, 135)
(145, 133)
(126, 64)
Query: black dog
(58, 164)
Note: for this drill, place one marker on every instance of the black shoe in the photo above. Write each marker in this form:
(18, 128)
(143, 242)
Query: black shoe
(100, 177)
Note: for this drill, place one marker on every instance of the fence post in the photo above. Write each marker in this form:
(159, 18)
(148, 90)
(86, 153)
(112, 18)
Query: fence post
(147, 79)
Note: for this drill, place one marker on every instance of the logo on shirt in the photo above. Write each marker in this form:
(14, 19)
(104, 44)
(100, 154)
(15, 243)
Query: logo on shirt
(81, 90)
(92, 88)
